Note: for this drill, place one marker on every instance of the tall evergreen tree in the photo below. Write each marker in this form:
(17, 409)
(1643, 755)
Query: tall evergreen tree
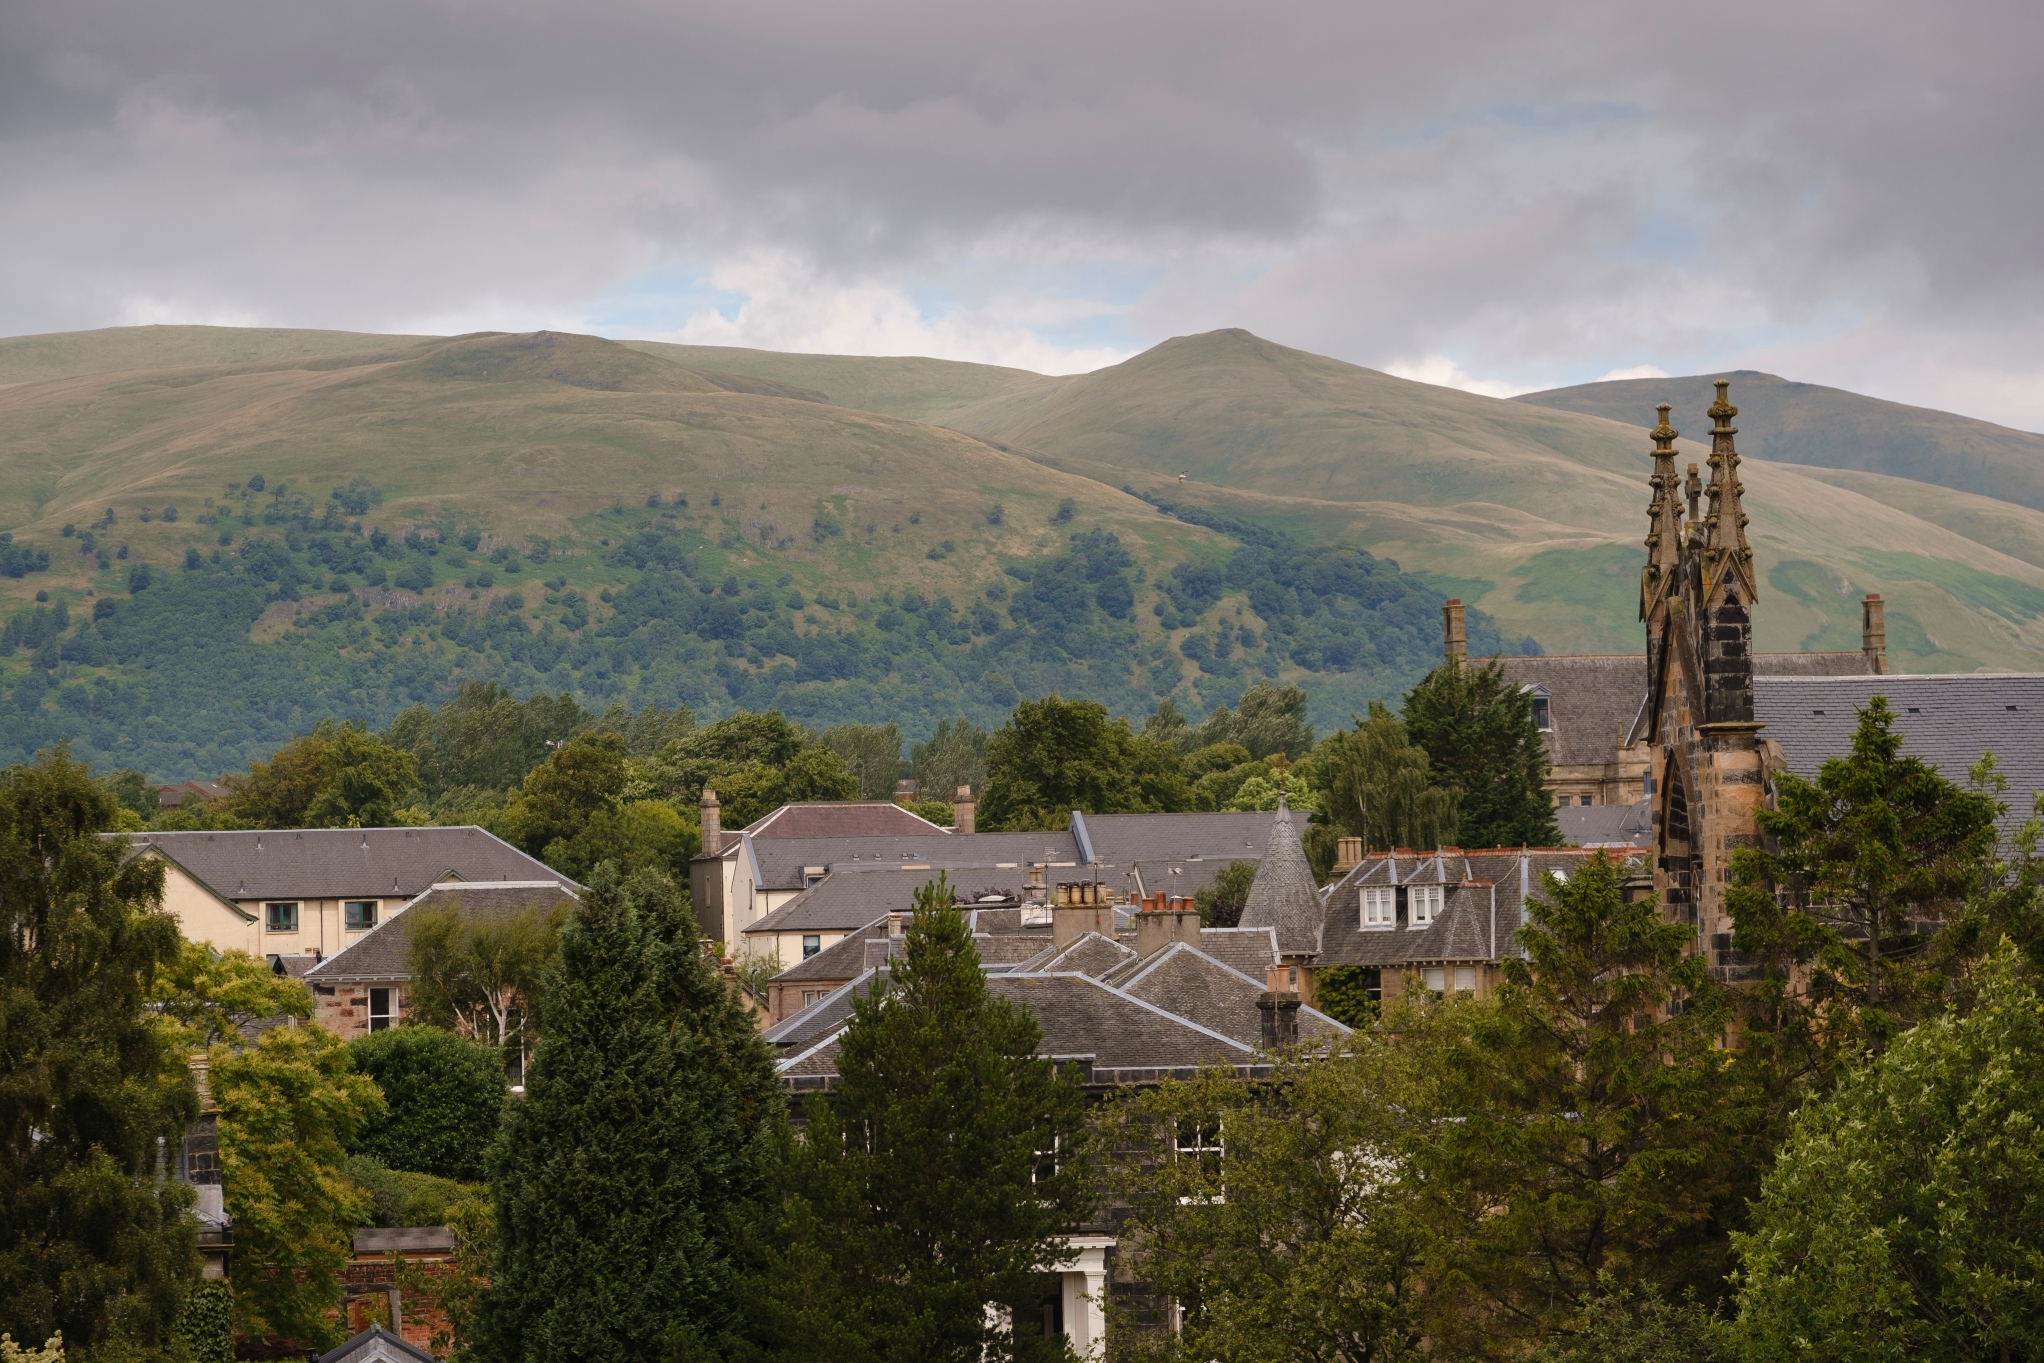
(1481, 738)
(91, 1094)
(1384, 791)
(641, 1149)
(937, 1179)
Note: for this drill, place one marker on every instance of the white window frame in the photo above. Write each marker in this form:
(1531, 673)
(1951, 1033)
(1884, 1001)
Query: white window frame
(389, 1017)
(375, 907)
(1465, 979)
(1423, 904)
(1380, 908)
(1433, 979)
(1209, 1142)
(272, 918)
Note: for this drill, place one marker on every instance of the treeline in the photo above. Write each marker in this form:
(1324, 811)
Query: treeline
(577, 789)
(136, 680)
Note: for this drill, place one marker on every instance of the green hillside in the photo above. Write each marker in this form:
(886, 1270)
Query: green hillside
(904, 386)
(1807, 423)
(1534, 513)
(234, 550)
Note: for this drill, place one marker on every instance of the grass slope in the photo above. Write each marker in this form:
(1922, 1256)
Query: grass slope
(1807, 423)
(903, 386)
(1532, 512)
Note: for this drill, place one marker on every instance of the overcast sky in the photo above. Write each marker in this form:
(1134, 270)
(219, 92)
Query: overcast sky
(1501, 195)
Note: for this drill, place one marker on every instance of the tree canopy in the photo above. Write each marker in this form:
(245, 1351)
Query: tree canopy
(1054, 756)
(1480, 738)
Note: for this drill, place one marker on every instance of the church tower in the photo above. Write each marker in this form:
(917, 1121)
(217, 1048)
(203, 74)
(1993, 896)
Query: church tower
(1696, 600)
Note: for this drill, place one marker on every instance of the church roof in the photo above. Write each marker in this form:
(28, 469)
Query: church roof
(1283, 895)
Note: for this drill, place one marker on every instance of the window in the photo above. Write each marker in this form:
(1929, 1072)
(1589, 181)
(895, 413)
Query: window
(358, 915)
(810, 996)
(1380, 906)
(811, 944)
(1465, 979)
(382, 1009)
(1586, 800)
(1543, 715)
(1199, 1140)
(281, 917)
(1424, 902)
(1434, 978)
(1046, 1162)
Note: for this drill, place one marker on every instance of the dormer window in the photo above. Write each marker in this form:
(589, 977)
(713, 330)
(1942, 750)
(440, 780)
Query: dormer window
(1380, 908)
(1543, 713)
(1423, 904)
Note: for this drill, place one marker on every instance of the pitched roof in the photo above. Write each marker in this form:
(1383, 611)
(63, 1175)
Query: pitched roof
(1188, 983)
(844, 900)
(843, 819)
(1607, 825)
(341, 863)
(1283, 895)
(1089, 954)
(375, 1345)
(384, 952)
(1462, 931)
(1948, 720)
(1123, 839)
(1249, 950)
(1004, 858)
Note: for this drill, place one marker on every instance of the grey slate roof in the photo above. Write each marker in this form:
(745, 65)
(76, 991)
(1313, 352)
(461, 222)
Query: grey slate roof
(1462, 932)
(1249, 950)
(1190, 984)
(1081, 1016)
(1948, 720)
(845, 900)
(1124, 839)
(384, 952)
(376, 1345)
(1283, 895)
(341, 863)
(841, 960)
(993, 859)
(1089, 954)
(1607, 825)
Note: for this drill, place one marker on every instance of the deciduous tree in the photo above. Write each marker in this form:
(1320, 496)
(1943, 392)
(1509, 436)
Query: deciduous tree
(1054, 756)
(483, 978)
(1383, 788)
(443, 1099)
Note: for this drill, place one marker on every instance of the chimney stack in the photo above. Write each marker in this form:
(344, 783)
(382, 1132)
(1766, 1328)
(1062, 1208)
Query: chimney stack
(1162, 922)
(1454, 643)
(962, 807)
(1077, 909)
(1348, 854)
(1279, 1007)
(713, 835)
(1873, 632)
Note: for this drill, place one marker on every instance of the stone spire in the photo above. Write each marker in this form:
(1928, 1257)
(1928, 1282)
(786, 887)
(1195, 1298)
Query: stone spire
(1726, 555)
(1664, 524)
(1283, 895)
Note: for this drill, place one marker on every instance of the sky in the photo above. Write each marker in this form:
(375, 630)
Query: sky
(1501, 195)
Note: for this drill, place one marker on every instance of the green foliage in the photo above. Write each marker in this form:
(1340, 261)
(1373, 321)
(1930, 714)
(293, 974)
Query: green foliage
(482, 978)
(1876, 845)
(1596, 1135)
(443, 1099)
(1628, 1323)
(1297, 1234)
(642, 835)
(1270, 721)
(641, 1149)
(954, 755)
(1221, 903)
(1345, 993)
(1383, 791)
(91, 1243)
(871, 753)
(460, 1291)
(205, 997)
(1900, 1220)
(1478, 732)
(939, 812)
(337, 776)
(289, 1105)
(483, 738)
(923, 1190)
(756, 763)
(578, 781)
(1054, 756)
(404, 1197)
(205, 1324)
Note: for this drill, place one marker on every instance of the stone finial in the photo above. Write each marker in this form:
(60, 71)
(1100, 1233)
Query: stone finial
(1454, 641)
(1873, 632)
(1727, 555)
(1694, 487)
(1664, 521)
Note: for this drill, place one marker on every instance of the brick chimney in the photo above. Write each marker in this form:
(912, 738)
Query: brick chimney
(962, 807)
(1278, 1006)
(713, 833)
(1078, 908)
(1163, 922)
(1454, 642)
(1873, 632)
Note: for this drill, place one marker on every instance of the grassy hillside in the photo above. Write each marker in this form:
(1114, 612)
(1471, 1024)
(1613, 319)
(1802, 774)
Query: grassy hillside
(1532, 512)
(904, 386)
(241, 548)
(1807, 423)
(29, 359)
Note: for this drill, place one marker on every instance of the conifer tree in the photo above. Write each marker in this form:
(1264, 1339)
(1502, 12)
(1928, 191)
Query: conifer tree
(91, 1095)
(640, 1149)
(1481, 738)
(937, 1179)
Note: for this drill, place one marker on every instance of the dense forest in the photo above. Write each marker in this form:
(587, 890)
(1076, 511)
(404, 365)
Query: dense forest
(306, 609)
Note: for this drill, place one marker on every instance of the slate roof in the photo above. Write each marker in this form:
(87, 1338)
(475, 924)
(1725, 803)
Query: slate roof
(842, 819)
(1190, 984)
(1249, 950)
(1124, 839)
(1081, 1016)
(1089, 954)
(841, 960)
(376, 1345)
(1004, 858)
(1948, 720)
(1463, 931)
(844, 900)
(1607, 825)
(341, 863)
(1283, 895)
(1179, 876)
(384, 952)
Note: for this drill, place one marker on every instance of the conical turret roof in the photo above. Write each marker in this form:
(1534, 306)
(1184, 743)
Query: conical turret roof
(1283, 895)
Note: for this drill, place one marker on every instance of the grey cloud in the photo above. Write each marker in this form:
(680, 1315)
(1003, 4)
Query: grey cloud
(1376, 181)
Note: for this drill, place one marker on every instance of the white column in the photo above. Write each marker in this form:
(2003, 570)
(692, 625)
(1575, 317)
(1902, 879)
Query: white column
(1084, 1292)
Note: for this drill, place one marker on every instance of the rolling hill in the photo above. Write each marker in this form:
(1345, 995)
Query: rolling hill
(365, 521)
